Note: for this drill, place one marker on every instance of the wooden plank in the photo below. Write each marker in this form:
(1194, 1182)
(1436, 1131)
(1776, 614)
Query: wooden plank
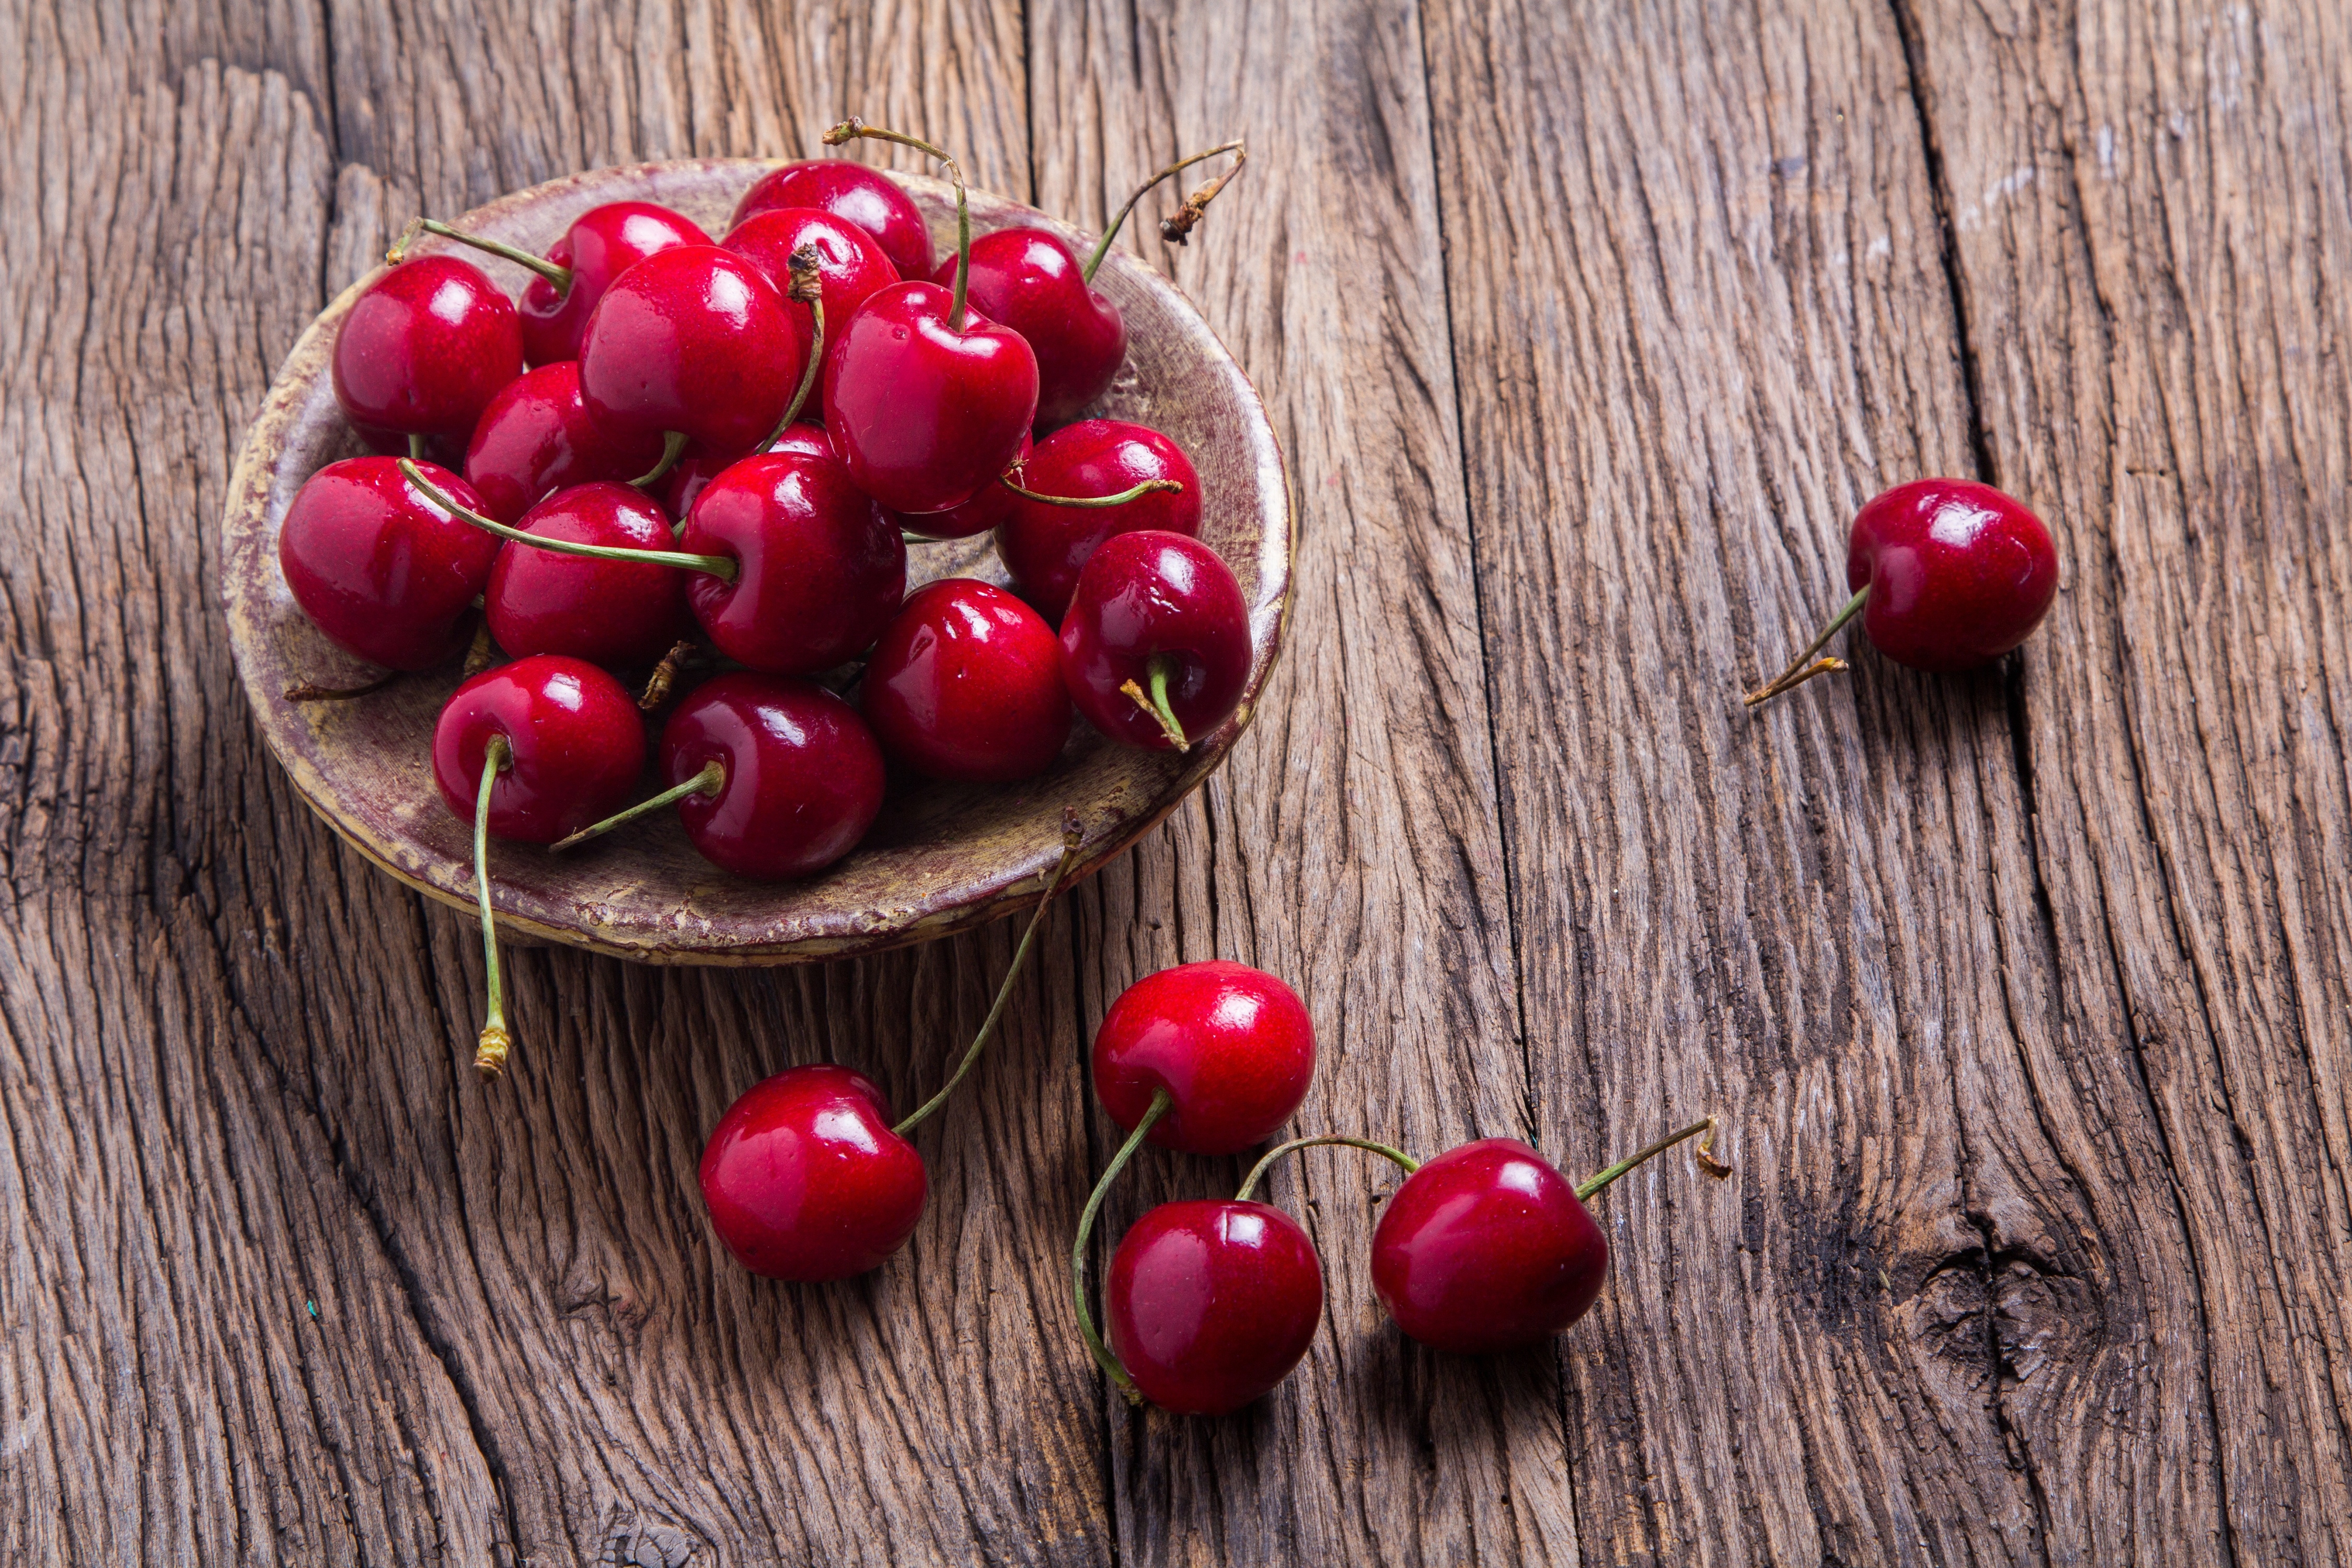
(1349, 845)
(2149, 225)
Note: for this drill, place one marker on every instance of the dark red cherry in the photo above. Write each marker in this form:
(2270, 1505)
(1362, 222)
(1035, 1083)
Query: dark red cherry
(1027, 280)
(865, 197)
(793, 778)
(1487, 1248)
(1156, 643)
(684, 483)
(821, 572)
(804, 1180)
(425, 349)
(850, 266)
(988, 508)
(1044, 547)
(966, 683)
(624, 613)
(693, 343)
(386, 573)
(1231, 1045)
(1211, 1304)
(601, 244)
(576, 741)
(536, 438)
(924, 410)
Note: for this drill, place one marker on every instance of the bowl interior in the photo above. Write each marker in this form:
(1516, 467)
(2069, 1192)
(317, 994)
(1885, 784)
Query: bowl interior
(941, 857)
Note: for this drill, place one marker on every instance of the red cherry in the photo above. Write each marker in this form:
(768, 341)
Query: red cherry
(388, 574)
(1044, 547)
(691, 344)
(789, 775)
(966, 684)
(988, 508)
(685, 482)
(625, 612)
(600, 244)
(924, 408)
(1211, 1304)
(1232, 1047)
(1947, 574)
(865, 197)
(576, 744)
(804, 1180)
(536, 438)
(821, 571)
(1156, 643)
(850, 264)
(1027, 280)
(1487, 1248)
(425, 348)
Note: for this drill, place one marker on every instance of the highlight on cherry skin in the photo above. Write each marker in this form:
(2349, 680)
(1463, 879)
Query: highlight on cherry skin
(1947, 575)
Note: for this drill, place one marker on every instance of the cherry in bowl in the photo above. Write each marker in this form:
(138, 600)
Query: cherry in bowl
(965, 683)
(1132, 476)
(1156, 643)
(425, 348)
(387, 573)
(864, 196)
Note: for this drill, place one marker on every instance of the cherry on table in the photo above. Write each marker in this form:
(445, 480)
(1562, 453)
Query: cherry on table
(1156, 643)
(425, 348)
(1045, 543)
(1210, 1304)
(614, 613)
(1947, 574)
(387, 573)
(965, 683)
(805, 1179)
(1230, 1048)
(536, 438)
(867, 197)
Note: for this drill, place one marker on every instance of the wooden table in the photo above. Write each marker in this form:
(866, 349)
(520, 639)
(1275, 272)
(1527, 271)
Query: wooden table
(1586, 326)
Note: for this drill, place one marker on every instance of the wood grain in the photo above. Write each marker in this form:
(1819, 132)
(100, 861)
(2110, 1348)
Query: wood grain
(1585, 326)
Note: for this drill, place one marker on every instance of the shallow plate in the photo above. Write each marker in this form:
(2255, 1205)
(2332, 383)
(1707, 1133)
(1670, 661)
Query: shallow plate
(942, 858)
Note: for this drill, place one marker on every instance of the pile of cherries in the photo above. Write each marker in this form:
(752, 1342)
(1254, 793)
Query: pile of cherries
(711, 475)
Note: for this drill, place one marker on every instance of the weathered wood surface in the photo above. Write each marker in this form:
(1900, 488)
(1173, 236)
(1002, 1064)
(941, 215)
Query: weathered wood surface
(1584, 326)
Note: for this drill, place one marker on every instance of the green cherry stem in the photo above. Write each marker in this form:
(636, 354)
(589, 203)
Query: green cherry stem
(417, 445)
(1798, 670)
(1155, 701)
(710, 781)
(673, 447)
(1109, 1362)
(1405, 1162)
(491, 1050)
(1071, 837)
(808, 290)
(1148, 487)
(1703, 1154)
(1102, 246)
(558, 276)
(851, 129)
(719, 566)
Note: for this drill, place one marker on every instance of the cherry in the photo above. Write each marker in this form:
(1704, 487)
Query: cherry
(1487, 1248)
(988, 508)
(625, 612)
(805, 1181)
(697, 469)
(1211, 1304)
(867, 197)
(1947, 574)
(536, 438)
(600, 244)
(388, 574)
(1156, 643)
(966, 683)
(849, 263)
(927, 400)
(425, 348)
(1230, 1048)
(691, 344)
(1045, 544)
(531, 750)
(821, 571)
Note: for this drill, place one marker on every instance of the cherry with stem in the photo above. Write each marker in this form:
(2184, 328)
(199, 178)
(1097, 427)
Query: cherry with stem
(1161, 1102)
(719, 566)
(1194, 204)
(1158, 670)
(808, 290)
(559, 277)
(491, 1050)
(1147, 488)
(851, 129)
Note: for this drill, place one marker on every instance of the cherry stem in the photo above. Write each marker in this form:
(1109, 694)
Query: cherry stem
(1155, 703)
(482, 652)
(808, 292)
(1798, 670)
(673, 447)
(1176, 225)
(554, 272)
(710, 781)
(718, 566)
(665, 676)
(1071, 835)
(418, 445)
(1249, 1183)
(312, 692)
(1109, 1362)
(852, 128)
(1703, 1154)
(491, 1050)
(1102, 246)
(1148, 487)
